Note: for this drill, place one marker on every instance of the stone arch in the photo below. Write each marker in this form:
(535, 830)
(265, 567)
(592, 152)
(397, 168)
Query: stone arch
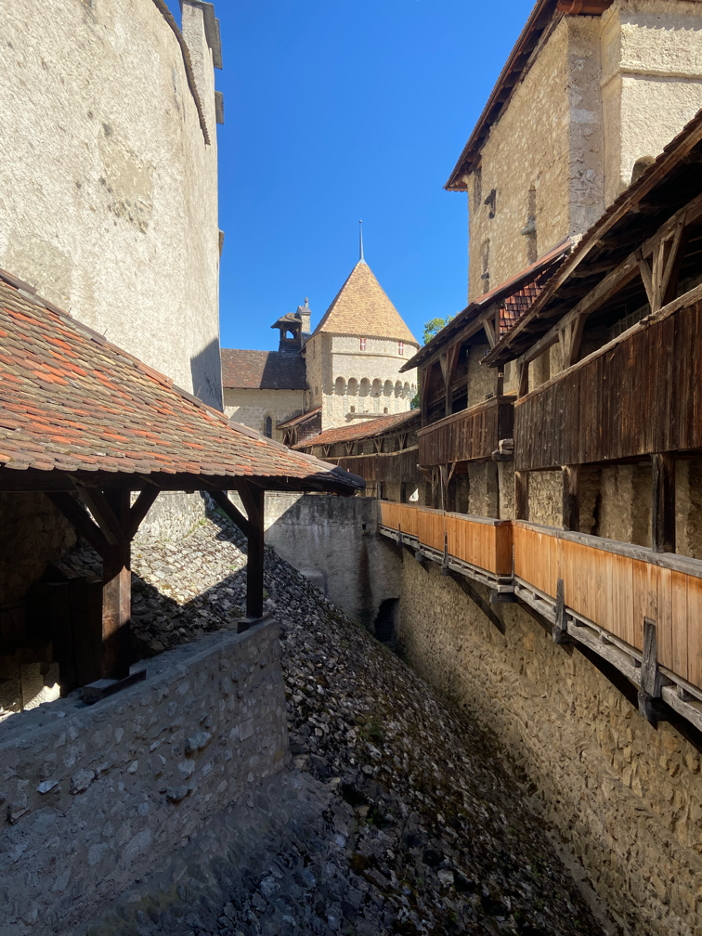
(365, 387)
(377, 387)
(352, 388)
(398, 388)
(340, 386)
(387, 388)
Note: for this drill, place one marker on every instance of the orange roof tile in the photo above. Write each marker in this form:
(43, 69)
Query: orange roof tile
(366, 429)
(362, 308)
(91, 406)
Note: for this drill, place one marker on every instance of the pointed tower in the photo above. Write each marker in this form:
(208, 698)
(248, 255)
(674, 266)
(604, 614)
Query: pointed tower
(355, 354)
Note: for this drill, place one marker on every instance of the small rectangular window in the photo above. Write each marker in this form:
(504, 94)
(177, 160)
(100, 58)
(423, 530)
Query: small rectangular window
(401, 347)
(363, 344)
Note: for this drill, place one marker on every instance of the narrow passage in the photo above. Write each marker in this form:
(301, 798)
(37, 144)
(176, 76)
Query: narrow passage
(394, 816)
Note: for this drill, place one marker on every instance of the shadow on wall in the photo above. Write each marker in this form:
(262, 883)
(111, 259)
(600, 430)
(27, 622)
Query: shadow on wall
(333, 541)
(206, 371)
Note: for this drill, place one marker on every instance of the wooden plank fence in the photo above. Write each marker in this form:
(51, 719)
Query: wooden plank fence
(614, 585)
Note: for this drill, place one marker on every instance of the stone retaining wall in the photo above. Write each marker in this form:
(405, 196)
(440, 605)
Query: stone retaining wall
(94, 797)
(626, 798)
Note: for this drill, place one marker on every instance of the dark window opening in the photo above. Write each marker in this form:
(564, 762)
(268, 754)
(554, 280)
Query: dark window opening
(385, 622)
(268, 428)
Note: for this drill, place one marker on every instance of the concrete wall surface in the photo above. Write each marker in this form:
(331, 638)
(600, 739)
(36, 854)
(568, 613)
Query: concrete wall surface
(324, 537)
(93, 797)
(625, 797)
(108, 190)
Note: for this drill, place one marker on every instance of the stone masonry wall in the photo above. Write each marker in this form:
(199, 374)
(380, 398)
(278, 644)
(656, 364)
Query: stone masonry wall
(626, 798)
(96, 796)
(543, 158)
(251, 407)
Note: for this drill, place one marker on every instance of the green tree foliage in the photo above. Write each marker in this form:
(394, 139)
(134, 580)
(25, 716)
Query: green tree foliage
(431, 328)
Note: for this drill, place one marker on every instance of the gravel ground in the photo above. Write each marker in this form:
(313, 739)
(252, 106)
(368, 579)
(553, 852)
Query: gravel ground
(417, 829)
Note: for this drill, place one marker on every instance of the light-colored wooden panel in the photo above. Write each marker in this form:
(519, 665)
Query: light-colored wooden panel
(664, 621)
(679, 619)
(645, 584)
(694, 631)
(603, 589)
(623, 598)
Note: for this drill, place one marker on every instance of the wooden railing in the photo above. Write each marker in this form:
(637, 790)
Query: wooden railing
(478, 541)
(609, 584)
(616, 586)
(640, 394)
(468, 435)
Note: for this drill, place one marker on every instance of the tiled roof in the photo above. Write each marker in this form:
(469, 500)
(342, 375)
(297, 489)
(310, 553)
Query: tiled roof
(297, 420)
(362, 308)
(72, 402)
(367, 429)
(262, 370)
(513, 295)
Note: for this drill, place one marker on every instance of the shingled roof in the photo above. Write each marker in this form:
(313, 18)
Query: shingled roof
(362, 308)
(75, 408)
(262, 370)
(367, 429)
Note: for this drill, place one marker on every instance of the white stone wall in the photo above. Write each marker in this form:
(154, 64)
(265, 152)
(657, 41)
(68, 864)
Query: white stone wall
(348, 381)
(651, 80)
(108, 192)
(251, 407)
(94, 797)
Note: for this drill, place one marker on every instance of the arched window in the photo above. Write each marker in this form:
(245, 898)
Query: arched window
(340, 386)
(353, 387)
(365, 386)
(268, 427)
(398, 389)
(387, 388)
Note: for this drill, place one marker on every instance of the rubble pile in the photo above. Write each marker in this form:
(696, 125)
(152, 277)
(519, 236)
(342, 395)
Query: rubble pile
(418, 831)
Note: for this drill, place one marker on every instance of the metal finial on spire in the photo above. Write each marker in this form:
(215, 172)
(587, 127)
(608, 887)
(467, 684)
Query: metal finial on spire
(360, 233)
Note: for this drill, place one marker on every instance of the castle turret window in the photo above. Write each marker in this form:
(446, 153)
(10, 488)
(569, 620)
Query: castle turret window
(401, 347)
(363, 344)
(268, 428)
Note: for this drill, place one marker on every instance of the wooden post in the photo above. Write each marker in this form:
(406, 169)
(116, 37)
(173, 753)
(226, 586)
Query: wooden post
(663, 518)
(253, 499)
(521, 495)
(117, 594)
(571, 497)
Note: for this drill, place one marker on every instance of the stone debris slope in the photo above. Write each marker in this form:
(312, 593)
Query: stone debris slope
(418, 830)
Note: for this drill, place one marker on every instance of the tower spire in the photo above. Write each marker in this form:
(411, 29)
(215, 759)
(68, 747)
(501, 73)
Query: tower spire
(360, 235)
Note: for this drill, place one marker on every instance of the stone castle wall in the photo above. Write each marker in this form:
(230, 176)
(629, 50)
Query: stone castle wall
(346, 380)
(601, 93)
(109, 193)
(94, 797)
(651, 80)
(251, 407)
(627, 799)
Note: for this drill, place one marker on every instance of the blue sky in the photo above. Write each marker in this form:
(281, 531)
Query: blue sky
(339, 110)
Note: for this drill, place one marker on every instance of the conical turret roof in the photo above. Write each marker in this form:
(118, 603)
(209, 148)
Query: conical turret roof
(362, 308)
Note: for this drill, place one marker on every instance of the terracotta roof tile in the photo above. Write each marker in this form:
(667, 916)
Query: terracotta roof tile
(362, 308)
(262, 370)
(366, 429)
(105, 411)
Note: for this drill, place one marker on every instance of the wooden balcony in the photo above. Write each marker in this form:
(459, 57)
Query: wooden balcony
(615, 586)
(480, 542)
(468, 435)
(609, 589)
(638, 395)
(388, 467)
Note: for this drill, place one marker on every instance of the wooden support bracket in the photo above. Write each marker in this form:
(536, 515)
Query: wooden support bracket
(477, 599)
(221, 499)
(663, 514)
(560, 628)
(650, 703)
